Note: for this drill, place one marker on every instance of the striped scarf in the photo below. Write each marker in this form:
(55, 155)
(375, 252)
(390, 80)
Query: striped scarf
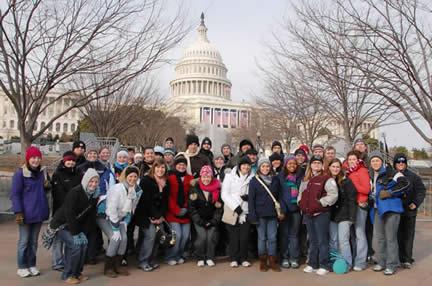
(292, 185)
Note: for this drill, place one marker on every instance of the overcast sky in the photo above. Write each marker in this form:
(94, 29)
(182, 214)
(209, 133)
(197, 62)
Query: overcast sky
(240, 29)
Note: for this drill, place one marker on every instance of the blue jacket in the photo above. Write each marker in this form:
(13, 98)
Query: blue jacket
(28, 195)
(280, 186)
(397, 188)
(259, 201)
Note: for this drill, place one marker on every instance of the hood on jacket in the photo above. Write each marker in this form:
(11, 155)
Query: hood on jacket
(88, 175)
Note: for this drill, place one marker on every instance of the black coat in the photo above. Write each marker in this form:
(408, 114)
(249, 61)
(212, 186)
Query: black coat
(219, 174)
(203, 211)
(152, 204)
(415, 192)
(62, 181)
(345, 209)
(78, 212)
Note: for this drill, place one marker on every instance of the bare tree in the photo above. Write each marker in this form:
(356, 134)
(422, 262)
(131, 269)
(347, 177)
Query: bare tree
(49, 46)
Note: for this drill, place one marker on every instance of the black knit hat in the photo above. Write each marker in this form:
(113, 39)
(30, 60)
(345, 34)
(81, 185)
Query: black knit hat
(276, 143)
(206, 140)
(400, 158)
(251, 152)
(275, 157)
(131, 169)
(246, 142)
(180, 159)
(300, 151)
(169, 139)
(243, 160)
(77, 144)
(192, 138)
(316, 158)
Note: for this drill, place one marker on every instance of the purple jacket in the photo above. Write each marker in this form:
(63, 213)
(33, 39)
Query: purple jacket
(28, 195)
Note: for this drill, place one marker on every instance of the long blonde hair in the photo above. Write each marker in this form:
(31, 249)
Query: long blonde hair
(309, 173)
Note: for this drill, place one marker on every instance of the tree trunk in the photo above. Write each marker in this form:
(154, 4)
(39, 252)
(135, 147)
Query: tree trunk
(26, 141)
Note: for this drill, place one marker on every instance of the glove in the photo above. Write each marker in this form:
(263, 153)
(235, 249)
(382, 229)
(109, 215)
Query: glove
(19, 218)
(182, 212)
(244, 197)
(238, 210)
(127, 219)
(384, 194)
(116, 235)
(397, 176)
(101, 208)
(83, 238)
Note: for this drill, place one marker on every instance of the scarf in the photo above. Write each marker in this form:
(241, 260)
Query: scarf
(360, 163)
(291, 182)
(213, 188)
(131, 197)
(180, 194)
(121, 166)
(267, 179)
(188, 155)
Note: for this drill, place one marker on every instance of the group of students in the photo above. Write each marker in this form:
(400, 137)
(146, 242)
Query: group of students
(278, 208)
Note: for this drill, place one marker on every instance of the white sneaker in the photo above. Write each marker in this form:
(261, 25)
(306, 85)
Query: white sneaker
(201, 263)
(23, 273)
(357, 268)
(309, 269)
(34, 271)
(210, 263)
(171, 262)
(234, 264)
(246, 264)
(322, 271)
(180, 261)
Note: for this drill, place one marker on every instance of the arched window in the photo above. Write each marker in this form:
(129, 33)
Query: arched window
(65, 127)
(73, 127)
(57, 127)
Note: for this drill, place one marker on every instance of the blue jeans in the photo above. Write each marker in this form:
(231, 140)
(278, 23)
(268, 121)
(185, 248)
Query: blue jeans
(344, 232)
(385, 234)
(318, 230)
(361, 240)
(182, 236)
(57, 249)
(27, 244)
(148, 247)
(333, 237)
(267, 236)
(290, 228)
(74, 256)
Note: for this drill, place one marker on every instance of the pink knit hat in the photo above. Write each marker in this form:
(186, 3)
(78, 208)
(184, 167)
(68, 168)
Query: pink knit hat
(206, 171)
(33, 152)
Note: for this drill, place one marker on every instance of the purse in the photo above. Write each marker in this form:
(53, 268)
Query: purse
(279, 212)
(165, 235)
(229, 216)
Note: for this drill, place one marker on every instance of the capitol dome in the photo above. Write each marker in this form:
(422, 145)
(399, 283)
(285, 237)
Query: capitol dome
(201, 70)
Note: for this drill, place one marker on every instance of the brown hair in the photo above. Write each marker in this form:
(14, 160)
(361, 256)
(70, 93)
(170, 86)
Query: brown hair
(354, 153)
(103, 148)
(308, 174)
(122, 177)
(157, 163)
(341, 174)
(330, 148)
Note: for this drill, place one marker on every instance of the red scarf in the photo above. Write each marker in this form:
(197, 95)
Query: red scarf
(213, 188)
(357, 166)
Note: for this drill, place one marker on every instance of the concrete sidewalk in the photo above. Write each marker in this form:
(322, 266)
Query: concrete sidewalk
(221, 274)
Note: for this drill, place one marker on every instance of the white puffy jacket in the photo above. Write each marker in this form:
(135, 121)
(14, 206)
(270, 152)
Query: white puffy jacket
(120, 202)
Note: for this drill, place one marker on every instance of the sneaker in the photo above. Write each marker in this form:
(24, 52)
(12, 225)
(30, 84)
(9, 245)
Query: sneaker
(389, 271)
(124, 262)
(171, 262)
(309, 269)
(378, 268)
(285, 263)
(234, 264)
(200, 263)
(154, 265)
(181, 261)
(146, 268)
(210, 263)
(246, 264)
(23, 273)
(295, 265)
(83, 278)
(406, 265)
(358, 268)
(59, 268)
(72, 280)
(322, 271)
(34, 271)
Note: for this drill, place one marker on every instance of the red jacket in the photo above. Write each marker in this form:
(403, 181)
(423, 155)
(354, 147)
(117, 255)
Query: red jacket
(173, 208)
(309, 203)
(359, 175)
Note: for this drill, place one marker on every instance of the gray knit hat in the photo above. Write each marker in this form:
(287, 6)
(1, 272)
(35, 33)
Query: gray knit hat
(263, 160)
(376, 154)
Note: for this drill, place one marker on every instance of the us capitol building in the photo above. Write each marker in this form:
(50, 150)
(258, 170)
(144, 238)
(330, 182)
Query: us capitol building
(200, 94)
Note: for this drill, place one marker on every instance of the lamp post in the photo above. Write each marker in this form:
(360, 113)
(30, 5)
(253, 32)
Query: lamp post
(259, 144)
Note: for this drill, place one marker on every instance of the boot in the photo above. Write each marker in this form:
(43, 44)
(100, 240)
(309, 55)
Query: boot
(274, 265)
(118, 268)
(263, 263)
(109, 267)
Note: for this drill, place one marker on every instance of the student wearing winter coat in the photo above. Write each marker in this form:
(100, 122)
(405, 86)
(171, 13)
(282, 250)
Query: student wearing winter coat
(235, 195)
(318, 192)
(226, 153)
(244, 145)
(219, 167)
(414, 197)
(276, 147)
(75, 218)
(358, 173)
(263, 214)
(121, 201)
(276, 162)
(388, 187)
(30, 206)
(193, 156)
(151, 211)
(177, 215)
(63, 180)
(205, 149)
(205, 208)
(286, 185)
(145, 165)
(344, 211)
(122, 161)
(79, 149)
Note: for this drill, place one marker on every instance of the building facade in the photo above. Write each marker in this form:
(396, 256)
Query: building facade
(200, 94)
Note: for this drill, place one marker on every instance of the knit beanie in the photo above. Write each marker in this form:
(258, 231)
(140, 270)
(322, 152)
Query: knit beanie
(77, 144)
(69, 156)
(290, 158)
(276, 143)
(217, 156)
(316, 158)
(206, 170)
(206, 140)
(123, 153)
(244, 160)
(169, 151)
(159, 150)
(263, 160)
(376, 154)
(32, 151)
(225, 145)
(180, 159)
(169, 139)
(88, 175)
(358, 140)
(131, 169)
(275, 157)
(317, 146)
(191, 138)
(246, 142)
(400, 158)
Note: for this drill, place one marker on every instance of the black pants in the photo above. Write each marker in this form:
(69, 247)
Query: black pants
(92, 247)
(406, 238)
(131, 247)
(205, 242)
(238, 241)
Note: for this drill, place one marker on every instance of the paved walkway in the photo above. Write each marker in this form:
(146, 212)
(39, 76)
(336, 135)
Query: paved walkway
(221, 274)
